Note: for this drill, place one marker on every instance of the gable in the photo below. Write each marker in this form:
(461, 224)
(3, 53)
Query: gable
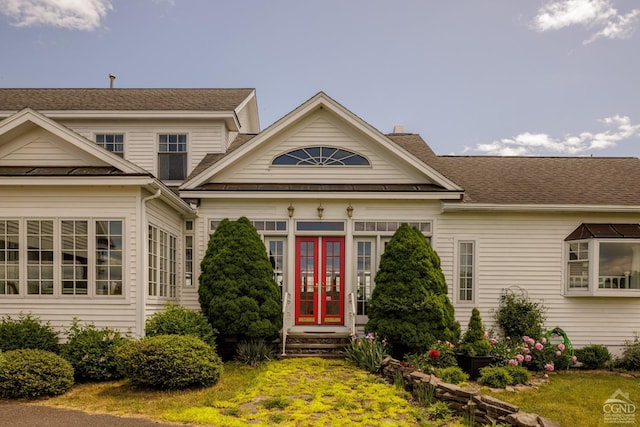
(321, 130)
(30, 139)
(320, 122)
(39, 147)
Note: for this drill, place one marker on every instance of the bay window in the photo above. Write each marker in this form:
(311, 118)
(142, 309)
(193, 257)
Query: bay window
(604, 260)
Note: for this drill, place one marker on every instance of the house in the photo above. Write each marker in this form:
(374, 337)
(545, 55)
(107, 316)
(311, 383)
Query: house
(108, 198)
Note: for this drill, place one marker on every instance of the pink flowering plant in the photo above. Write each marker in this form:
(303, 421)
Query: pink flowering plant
(536, 355)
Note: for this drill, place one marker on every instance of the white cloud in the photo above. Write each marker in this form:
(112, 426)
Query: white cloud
(599, 15)
(529, 144)
(71, 14)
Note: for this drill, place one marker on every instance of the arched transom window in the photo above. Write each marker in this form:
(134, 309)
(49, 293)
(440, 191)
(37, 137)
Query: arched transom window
(320, 156)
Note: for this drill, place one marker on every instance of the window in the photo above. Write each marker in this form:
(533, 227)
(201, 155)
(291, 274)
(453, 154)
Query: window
(40, 257)
(364, 274)
(9, 257)
(320, 156)
(172, 157)
(111, 142)
(109, 257)
(75, 257)
(277, 255)
(67, 257)
(162, 263)
(604, 260)
(465, 270)
(188, 253)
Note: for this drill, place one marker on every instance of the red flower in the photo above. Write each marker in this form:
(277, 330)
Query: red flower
(433, 353)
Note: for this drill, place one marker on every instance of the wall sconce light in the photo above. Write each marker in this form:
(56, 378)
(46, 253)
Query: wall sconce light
(291, 210)
(349, 210)
(320, 210)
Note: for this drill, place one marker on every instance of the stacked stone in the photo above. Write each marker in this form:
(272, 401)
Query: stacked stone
(468, 403)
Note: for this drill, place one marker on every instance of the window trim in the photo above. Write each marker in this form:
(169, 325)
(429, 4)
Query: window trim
(456, 270)
(186, 153)
(593, 289)
(318, 161)
(122, 153)
(163, 263)
(58, 265)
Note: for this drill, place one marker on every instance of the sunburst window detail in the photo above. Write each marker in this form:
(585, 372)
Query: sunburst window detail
(320, 156)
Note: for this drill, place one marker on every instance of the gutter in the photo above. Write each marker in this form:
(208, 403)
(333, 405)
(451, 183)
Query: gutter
(143, 263)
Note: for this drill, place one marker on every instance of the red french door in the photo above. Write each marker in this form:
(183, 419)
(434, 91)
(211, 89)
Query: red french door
(319, 286)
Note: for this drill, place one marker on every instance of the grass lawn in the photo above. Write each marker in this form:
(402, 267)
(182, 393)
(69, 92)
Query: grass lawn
(575, 398)
(288, 392)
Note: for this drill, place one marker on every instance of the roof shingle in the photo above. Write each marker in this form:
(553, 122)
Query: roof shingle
(202, 99)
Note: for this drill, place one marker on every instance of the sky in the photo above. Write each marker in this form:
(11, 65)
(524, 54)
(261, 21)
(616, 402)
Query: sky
(491, 77)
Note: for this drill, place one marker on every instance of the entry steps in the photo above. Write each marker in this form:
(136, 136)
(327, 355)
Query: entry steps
(328, 345)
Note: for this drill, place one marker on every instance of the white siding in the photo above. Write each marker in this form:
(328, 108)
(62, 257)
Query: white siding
(79, 203)
(141, 138)
(31, 148)
(321, 129)
(527, 251)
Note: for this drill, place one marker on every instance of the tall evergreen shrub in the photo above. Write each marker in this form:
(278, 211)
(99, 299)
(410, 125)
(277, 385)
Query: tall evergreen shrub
(409, 305)
(237, 292)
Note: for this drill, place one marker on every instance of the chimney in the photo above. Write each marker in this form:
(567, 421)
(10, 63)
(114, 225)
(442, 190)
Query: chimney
(398, 129)
(112, 77)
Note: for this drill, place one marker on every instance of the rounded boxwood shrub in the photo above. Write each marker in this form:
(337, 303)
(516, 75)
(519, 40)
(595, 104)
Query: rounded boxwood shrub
(519, 374)
(29, 373)
(177, 320)
(170, 362)
(518, 316)
(452, 375)
(495, 376)
(594, 356)
(27, 331)
(92, 352)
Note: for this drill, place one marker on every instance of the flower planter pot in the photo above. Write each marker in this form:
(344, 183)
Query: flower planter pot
(472, 364)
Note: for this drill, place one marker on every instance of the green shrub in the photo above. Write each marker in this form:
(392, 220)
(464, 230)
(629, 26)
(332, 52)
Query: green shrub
(92, 352)
(27, 331)
(518, 316)
(630, 359)
(253, 352)
(440, 411)
(29, 373)
(409, 305)
(474, 341)
(237, 293)
(367, 353)
(170, 362)
(177, 320)
(519, 374)
(594, 356)
(452, 375)
(495, 376)
(440, 355)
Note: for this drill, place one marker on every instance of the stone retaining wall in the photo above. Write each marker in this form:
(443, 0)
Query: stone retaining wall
(467, 403)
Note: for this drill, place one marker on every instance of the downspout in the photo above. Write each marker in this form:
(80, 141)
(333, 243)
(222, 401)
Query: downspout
(144, 263)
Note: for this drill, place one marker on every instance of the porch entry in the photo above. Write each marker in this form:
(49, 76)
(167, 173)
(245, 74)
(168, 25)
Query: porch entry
(319, 297)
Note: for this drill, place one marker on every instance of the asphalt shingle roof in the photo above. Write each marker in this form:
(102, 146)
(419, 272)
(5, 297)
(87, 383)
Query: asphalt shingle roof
(201, 99)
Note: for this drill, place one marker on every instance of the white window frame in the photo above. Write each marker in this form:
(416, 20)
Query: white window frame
(185, 152)
(57, 265)
(113, 134)
(163, 247)
(456, 270)
(593, 280)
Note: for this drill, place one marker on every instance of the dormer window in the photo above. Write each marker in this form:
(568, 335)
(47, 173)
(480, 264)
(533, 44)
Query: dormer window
(172, 157)
(320, 156)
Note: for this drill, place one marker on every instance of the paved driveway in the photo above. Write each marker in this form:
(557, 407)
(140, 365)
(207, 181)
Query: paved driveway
(13, 414)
